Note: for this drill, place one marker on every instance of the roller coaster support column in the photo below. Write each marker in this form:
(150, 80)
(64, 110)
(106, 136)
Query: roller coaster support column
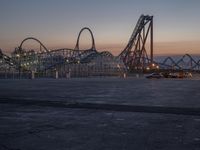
(32, 74)
(56, 74)
(19, 63)
(151, 42)
(135, 55)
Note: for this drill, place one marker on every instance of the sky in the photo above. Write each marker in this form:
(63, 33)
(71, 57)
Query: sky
(56, 23)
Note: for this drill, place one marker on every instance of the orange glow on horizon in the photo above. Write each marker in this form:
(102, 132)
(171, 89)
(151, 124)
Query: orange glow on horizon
(160, 48)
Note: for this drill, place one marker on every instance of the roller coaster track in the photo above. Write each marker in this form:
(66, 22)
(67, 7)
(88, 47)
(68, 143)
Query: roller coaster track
(134, 54)
(83, 56)
(52, 58)
(92, 36)
(32, 38)
(6, 60)
(186, 62)
(171, 63)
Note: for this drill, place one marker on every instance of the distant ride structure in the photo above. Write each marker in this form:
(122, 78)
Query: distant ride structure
(137, 56)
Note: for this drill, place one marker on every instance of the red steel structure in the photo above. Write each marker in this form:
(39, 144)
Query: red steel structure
(135, 55)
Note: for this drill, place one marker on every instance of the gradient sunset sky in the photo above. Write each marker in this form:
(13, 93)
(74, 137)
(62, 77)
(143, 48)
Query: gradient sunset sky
(57, 23)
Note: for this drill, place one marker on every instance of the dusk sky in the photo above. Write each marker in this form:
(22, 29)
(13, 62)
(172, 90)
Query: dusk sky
(57, 23)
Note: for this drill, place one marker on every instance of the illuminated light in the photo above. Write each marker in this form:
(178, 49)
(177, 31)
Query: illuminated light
(17, 55)
(157, 67)
(78, 61)
(148, 68)
(153, 65)
(124, 75)
(67, 60)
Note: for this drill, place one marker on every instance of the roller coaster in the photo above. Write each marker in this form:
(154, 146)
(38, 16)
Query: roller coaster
(65, 60)
(186, 62)
(137, 55)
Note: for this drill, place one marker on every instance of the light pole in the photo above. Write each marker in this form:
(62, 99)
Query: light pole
(19, 60)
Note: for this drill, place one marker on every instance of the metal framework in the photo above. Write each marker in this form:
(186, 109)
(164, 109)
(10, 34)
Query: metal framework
(5, 60)
(135, 55)
(92, 36)
(32, 38)
(186, 62)
(45, 60)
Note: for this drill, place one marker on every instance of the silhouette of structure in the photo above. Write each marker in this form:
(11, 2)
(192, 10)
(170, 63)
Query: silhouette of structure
(137, 55)
(186, 62)
(66, 62)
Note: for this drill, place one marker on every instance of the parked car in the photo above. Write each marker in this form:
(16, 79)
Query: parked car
(154, 75)
(188, 75)
(174, 75)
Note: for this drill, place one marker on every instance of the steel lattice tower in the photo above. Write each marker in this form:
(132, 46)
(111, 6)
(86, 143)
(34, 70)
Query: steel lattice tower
(135, 55)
